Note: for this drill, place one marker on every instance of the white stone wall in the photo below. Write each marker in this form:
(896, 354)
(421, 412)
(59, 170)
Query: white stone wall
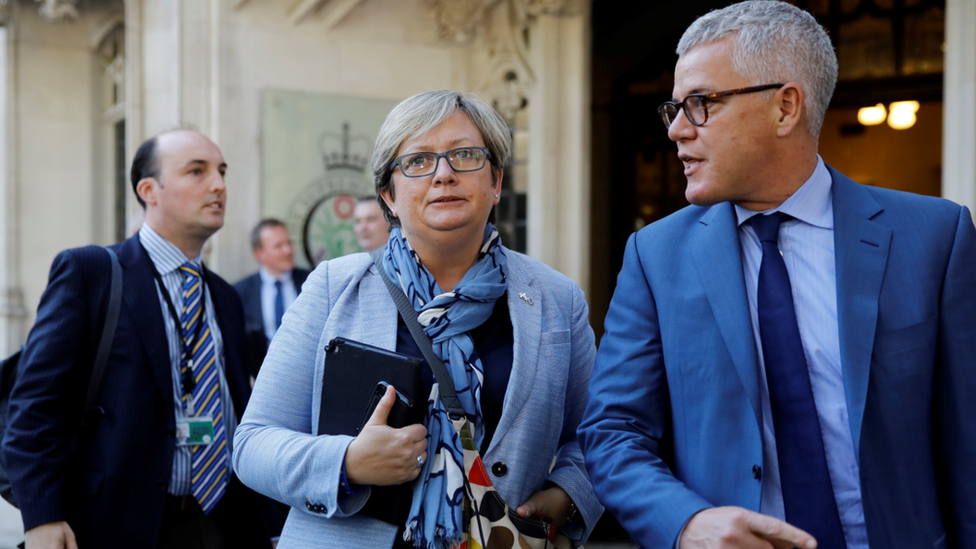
(372, 52)
(959, 112)
(205, 64)
(51, 193)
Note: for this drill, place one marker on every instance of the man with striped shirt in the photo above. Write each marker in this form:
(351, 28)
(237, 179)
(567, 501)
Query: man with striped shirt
(149, 466)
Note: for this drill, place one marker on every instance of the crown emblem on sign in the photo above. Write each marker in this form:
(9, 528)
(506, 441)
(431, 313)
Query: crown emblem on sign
(345, 151)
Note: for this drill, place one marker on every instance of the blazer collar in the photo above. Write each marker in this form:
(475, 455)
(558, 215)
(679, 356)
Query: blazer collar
(525, 304)
(861, 246)
(714, 244)
(142, 300)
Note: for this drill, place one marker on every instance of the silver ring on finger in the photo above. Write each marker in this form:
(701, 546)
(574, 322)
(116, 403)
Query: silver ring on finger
(420, 461)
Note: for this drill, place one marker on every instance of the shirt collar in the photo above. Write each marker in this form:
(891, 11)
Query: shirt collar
(268, 278)
(811, 203)
(166, 257)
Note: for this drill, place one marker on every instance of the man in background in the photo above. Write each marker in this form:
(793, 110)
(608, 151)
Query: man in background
(372, 228)
(148, 467)
(268, 293)
(793, 356)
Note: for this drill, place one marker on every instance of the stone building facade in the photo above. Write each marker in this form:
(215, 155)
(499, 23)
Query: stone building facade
(86, 81)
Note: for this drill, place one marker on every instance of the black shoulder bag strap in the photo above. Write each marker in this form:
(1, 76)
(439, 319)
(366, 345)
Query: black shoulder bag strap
(444, 381)
(108, 331)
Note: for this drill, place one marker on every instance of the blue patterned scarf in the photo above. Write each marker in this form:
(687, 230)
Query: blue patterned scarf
(435, 520)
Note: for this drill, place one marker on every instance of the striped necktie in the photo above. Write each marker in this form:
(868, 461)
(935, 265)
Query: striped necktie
(209, 473)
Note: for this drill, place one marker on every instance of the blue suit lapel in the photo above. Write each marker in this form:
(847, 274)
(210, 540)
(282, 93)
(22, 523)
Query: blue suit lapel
(141, 299)
(861, 251)
(714, 245)
(527, 331)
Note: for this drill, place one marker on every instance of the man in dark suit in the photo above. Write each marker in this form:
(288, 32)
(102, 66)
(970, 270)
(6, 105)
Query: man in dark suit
(793, 356)
(266, 296)
(268, 293)
(149, 466)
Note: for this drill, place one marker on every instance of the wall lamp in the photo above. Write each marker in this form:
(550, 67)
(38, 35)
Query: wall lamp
(900, 114)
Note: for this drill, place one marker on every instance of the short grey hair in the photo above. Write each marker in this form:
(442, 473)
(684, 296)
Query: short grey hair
(422, 113)
(773, 42)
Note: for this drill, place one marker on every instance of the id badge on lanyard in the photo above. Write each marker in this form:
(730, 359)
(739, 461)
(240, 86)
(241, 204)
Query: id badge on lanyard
(191, 430)
(195, 431)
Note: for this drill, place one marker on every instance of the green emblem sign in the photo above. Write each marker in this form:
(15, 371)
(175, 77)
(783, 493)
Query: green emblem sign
(317, 151)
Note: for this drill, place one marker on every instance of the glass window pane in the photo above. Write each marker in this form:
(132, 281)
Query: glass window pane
(865, 49)
(924, 37)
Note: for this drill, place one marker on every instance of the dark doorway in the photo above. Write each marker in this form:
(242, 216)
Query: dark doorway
(637, 178)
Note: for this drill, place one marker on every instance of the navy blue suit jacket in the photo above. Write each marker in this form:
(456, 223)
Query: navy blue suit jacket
(111, 489)
(673, 423)
(249, 289)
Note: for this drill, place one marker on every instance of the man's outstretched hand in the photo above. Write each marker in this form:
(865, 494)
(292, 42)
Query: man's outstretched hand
(738, 528)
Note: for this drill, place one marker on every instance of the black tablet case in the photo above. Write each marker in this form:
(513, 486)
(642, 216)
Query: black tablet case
(352, 372)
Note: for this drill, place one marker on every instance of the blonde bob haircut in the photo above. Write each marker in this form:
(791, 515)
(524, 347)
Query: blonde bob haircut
(421, 114)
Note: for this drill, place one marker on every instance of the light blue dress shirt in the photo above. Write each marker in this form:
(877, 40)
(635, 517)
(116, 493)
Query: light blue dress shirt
(167, 258)
(268, 292)
(807, 245)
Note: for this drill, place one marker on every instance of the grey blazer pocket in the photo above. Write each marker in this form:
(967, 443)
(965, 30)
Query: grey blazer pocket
(554, 338)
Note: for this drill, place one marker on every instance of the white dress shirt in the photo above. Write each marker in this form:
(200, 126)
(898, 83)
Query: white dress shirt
(268, 293)
(167, 258)
(807, 245)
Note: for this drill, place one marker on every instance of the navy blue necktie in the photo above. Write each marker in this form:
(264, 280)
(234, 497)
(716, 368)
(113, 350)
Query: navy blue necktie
(279, 304)
(808, 495)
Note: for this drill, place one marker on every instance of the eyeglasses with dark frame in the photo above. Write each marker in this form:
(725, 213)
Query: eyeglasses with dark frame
(462, 159)
(696, 104)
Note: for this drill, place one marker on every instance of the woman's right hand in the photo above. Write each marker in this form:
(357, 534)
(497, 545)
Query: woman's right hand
(382, 455)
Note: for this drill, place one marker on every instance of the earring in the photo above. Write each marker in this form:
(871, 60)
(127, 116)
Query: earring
(394, 211)
(496, 196)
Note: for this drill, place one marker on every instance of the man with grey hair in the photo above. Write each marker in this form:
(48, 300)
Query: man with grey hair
(789, 361)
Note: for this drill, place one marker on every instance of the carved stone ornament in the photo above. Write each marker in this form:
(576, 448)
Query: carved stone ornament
(508, 78)
(458, 20)
(58, 10)
(558, 8)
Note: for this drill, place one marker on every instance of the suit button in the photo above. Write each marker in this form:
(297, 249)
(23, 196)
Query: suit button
(499, 469)
(756, 472)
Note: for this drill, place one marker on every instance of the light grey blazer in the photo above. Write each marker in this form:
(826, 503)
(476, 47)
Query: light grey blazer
(276, 454)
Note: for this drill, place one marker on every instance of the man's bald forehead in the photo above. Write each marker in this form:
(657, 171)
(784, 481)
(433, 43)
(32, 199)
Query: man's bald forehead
(179, 135)
(189, 145)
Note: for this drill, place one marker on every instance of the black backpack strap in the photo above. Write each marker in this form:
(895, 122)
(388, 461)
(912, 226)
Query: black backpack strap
(108, 331)
(444, 380)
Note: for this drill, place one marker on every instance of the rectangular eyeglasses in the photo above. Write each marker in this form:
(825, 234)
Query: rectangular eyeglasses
(695, 105)
(462, 159)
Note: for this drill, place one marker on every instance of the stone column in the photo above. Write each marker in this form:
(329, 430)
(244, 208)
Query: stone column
(959, 104)
(173, 74)
(558, 220)
(12, 312)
